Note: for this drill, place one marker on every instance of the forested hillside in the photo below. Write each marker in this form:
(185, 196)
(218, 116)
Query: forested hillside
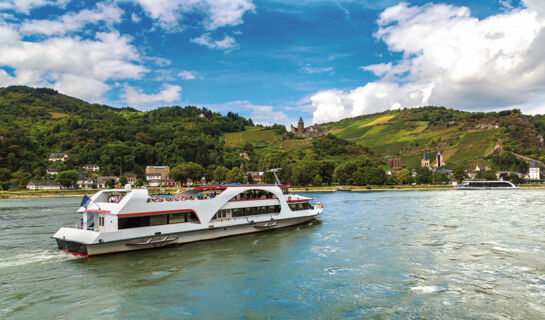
(37, 122)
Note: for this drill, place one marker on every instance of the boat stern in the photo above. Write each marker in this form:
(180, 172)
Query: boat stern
(75, 241)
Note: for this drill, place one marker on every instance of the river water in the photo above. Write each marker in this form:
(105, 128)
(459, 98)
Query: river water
(408, 254)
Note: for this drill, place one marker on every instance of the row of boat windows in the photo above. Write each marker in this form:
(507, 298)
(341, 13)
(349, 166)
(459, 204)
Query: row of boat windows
(299, 206)
(486, 184)
(253, 195)
(156, 220)
(243, 212)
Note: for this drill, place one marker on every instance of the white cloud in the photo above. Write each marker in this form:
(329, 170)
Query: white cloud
(25, 6)
(135, 97)
(313, 70)
(228, 43)
(73, 21)
(187, 75)
(450, 58)
(260, 114)
(60, 61)
(217, 13)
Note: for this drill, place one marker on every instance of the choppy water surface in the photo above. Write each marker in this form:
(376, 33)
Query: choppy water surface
(432, 254)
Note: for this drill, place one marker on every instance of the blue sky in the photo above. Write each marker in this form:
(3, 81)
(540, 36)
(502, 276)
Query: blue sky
(276, 60)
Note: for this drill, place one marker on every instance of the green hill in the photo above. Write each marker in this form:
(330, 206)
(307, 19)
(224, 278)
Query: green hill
(460, 136)
(35, 123)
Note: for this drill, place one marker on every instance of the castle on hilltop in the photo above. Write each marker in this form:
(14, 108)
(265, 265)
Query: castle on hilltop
(312, 131)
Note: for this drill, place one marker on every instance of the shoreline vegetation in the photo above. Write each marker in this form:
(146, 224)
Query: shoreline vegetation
(336, 188)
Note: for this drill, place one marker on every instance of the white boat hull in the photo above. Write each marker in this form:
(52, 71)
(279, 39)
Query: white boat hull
(158, 241)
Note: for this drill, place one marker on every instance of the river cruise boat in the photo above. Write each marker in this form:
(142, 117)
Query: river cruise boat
(486, 185)
(131, 219)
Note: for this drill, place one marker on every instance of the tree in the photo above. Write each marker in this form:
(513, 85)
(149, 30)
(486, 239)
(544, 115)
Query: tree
(490, 175)
(187, 170)
(317, 181)
(423, 175)
(402, 176)
(220, 174)
(67, 178)
(513, 177)
(110, 183)
(235, 175)
(250, 179)
(459, 172)
(123, 181)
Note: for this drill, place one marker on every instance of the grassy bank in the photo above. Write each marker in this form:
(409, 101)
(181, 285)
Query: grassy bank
(44, 193)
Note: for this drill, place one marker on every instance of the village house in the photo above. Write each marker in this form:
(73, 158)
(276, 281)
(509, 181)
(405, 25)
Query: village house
(85, 183)
(162, 183)
(52, 171)
(131, 178)
(157, 172)
(533, 172)
(504, 175)
(91, 167)
(47, 185)
(58, 157)
(101, 181)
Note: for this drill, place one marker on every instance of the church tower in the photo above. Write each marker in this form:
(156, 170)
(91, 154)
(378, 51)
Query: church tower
(425, 162)
(300, 125)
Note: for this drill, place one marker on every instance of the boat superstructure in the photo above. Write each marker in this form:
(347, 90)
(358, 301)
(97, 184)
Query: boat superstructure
(131, 219)
(486, 185)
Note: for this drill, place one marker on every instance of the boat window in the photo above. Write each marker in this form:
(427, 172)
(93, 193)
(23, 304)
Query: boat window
(299, 206)
(285, 191)
(101, 221)
(254, 194)
(250, 211)
(156, 220)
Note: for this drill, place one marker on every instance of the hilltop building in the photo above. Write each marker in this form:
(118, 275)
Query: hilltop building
(439, 160)
(425, 162)
(312, 131)
(58, 157)
(52, 171)
(395, 163)
(534, 173)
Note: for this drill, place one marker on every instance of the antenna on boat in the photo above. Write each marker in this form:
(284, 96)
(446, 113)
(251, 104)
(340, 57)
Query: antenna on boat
(274, 171)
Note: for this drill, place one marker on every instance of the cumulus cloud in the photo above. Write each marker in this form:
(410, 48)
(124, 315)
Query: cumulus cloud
(71, 65)
(217, 13)
(73, 21)
(186, 75)
(25, 6)
(136, 97)
(228, 43)
(450, 58)
(260, 114)
(312, 70)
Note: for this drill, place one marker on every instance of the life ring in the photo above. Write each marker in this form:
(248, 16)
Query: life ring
(289, 198)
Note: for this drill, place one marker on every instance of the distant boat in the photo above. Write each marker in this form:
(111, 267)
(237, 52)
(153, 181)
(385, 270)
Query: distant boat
(486, 185)
(122, 220)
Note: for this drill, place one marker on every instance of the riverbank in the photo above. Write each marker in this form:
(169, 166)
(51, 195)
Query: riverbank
(392, 188)
(81, 193)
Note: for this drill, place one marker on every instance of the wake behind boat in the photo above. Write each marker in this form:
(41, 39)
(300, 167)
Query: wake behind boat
(486, 185)
(123, 220)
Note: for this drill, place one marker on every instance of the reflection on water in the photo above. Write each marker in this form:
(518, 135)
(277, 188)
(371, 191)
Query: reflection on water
(433, 254)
